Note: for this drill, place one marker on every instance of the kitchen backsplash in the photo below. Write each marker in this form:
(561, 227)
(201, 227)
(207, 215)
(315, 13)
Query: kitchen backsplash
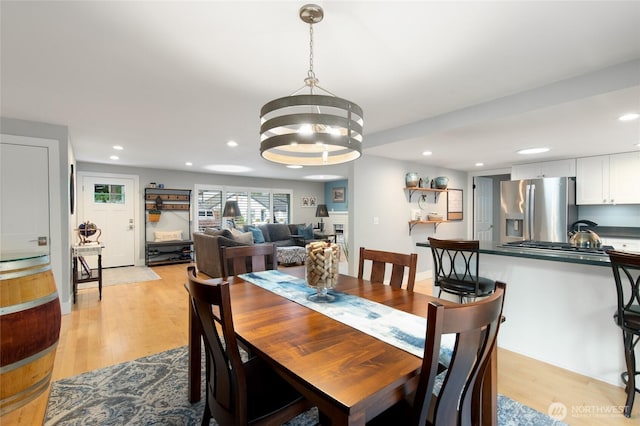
(621, 215)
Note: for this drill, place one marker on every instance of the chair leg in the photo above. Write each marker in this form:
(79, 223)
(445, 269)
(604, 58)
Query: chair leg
(630, 375)
(206, 416)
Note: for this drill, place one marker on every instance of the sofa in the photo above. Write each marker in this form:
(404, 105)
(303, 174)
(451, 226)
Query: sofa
(207, 246)
(282, 235)
(208, 243)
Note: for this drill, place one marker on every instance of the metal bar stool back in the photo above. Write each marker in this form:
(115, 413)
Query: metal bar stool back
(456, 266)
(626, 272)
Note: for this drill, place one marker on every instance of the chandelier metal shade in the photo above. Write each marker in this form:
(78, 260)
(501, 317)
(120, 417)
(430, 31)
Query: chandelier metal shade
(311, 129)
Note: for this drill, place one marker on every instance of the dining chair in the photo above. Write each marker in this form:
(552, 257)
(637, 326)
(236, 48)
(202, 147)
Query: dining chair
(237, 392)
(398, 262)
(452, 397)
(456, 264)
(252, 258)
(626, 273)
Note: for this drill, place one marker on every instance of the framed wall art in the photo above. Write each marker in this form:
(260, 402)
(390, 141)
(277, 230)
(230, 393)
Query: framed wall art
(454, 204)
(338, 194)
(308, 201)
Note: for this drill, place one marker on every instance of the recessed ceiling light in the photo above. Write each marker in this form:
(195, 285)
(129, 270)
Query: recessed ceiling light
(232, 144)
(227, 168)
(118, 147)
(114, 157)
(188, 163)
(425, 153)
(628, 117)
(479, 164)
(528, 151)
(294, 166)
(324, 177)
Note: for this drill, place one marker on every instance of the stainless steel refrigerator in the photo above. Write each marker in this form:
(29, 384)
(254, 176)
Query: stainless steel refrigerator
(537, 209)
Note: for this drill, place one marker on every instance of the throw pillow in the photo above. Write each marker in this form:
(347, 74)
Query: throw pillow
(216, 231)
(213, 231)
(258, 236)
(306, 231)
(242, 237)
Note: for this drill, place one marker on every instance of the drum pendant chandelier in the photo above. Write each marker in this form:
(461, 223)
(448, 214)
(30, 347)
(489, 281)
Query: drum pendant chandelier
(311, 129)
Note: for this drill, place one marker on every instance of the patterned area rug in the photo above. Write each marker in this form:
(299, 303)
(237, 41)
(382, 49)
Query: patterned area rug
(153, 391)
(124, 275)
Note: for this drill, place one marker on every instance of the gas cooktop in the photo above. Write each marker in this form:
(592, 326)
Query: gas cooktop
(556, 246)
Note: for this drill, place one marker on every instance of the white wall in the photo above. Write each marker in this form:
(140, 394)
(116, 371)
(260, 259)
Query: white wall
(188, 180)
(378, 192)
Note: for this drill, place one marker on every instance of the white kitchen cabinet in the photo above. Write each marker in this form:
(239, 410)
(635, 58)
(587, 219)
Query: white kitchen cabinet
(624, 178)
(558, 168)
(608, 179)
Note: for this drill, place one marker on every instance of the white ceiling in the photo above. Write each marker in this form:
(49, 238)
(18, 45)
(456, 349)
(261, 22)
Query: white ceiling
(470, 81)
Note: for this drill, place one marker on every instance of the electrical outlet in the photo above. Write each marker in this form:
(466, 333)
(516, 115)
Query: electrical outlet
(376, 220)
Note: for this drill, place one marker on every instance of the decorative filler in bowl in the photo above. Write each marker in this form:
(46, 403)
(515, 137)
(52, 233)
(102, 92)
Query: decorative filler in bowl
(441, 182)
(322, 269)
(412, 180)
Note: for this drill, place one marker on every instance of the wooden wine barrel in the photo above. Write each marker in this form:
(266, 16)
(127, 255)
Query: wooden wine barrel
(29, 329)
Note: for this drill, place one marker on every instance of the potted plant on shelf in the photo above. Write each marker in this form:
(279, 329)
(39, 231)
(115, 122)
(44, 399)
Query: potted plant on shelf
(154, 215)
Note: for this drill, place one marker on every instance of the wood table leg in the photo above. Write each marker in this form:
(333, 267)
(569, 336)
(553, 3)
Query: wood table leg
(100, 275)
(74, 277)
(195, 353)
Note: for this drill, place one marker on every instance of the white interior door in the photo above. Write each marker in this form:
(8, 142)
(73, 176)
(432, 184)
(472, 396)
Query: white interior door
(24, 203)
(109, 202)
(483, 208)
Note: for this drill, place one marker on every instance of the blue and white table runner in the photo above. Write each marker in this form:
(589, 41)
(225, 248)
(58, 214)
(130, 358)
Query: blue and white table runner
(398, 328)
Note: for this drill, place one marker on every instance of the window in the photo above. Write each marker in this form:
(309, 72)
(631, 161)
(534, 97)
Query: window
(260, 208)
(241, 198)
(108, 194)
(209, 208)
(257, 206)
(282, 207)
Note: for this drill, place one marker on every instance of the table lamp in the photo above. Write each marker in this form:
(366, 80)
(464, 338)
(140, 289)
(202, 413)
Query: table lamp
(321, 211)
(232, 210)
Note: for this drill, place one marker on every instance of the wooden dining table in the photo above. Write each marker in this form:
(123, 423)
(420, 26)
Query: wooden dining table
(349, 375)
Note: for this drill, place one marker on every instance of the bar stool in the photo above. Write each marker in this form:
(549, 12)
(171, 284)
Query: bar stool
(626, 272)
(456, 265)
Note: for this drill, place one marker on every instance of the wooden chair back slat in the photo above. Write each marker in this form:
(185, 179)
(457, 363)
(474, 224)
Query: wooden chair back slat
(252, 258)
(398, 262)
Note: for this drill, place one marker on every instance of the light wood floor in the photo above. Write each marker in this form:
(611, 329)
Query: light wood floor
(134, 320)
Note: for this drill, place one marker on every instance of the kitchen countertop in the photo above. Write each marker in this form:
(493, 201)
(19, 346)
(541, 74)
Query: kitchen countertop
(491, 247)
(617, 231)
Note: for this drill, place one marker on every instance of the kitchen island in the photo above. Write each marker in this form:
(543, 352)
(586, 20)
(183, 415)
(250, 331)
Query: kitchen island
(558, 307)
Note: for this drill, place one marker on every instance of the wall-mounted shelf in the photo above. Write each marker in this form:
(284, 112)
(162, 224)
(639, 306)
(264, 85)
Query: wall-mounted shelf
(436, 192)
(435, 223)
(423, 193)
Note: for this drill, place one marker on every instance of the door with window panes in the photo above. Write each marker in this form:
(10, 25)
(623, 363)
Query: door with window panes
(109, 203)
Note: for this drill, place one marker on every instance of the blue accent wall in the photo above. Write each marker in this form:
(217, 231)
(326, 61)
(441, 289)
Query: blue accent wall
(336, 206)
